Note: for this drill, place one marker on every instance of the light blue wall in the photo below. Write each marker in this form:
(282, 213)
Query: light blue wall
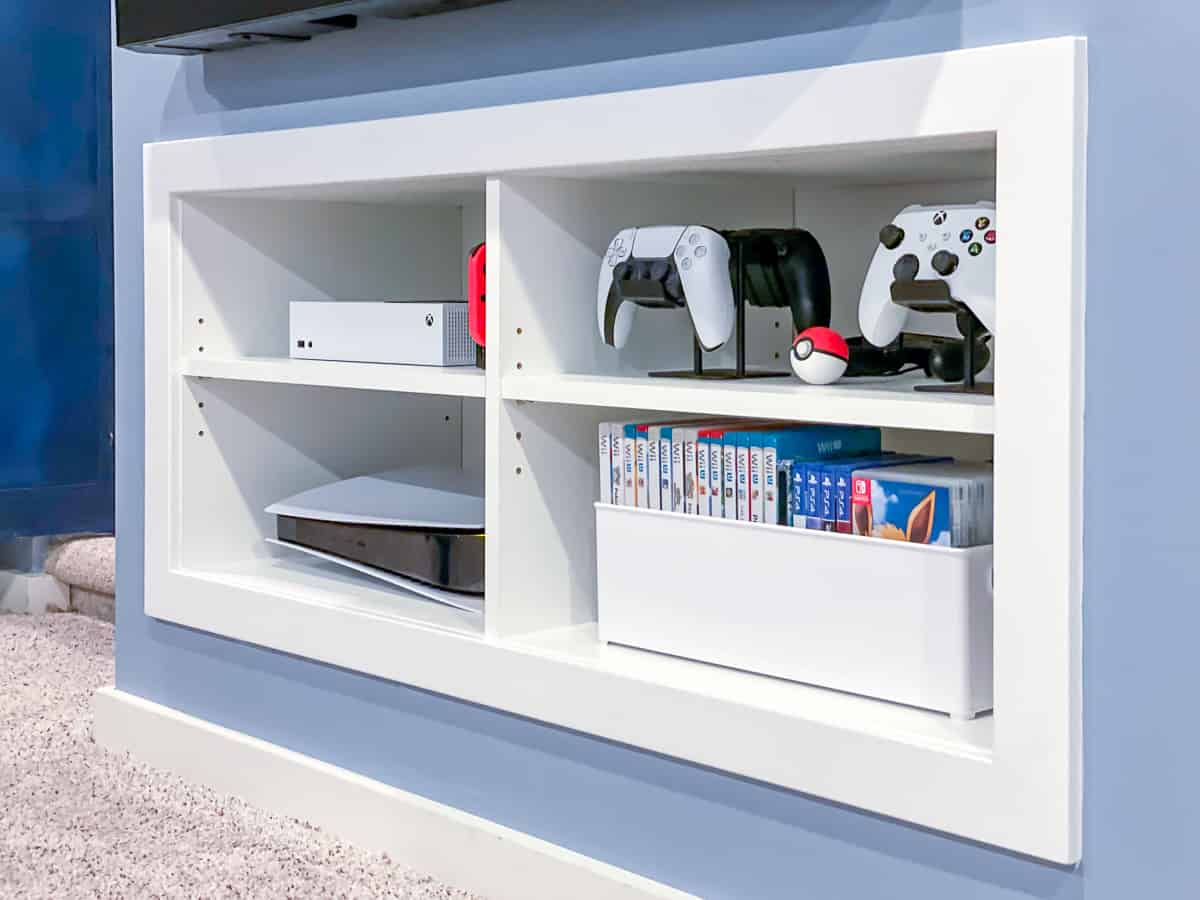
(707, 832)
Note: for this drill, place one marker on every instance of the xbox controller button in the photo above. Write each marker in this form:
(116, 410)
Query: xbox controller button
(975, 249)
(982, 223)
(990, 237)
(965, 235)
(701, 252)
(891, 236)
(939, 218)
(922, 237)
(944, 263)
(906, 267)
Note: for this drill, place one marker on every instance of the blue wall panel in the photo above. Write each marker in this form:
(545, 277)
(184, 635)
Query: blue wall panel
(708, 832)
(56, 325)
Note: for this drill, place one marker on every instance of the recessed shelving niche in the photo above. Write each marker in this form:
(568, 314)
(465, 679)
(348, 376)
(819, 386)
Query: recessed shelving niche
(238, 226)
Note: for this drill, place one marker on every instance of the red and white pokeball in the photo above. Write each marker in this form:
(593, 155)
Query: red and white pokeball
(820, 355)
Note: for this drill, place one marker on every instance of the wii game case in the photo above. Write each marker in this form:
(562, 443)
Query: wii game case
(610, 461)
(949, 503)
(693, 487)
(675, 448)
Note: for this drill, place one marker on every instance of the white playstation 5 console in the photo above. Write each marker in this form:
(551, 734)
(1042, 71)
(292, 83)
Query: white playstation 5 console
(953, 245)
(379, 331)
(419, 528)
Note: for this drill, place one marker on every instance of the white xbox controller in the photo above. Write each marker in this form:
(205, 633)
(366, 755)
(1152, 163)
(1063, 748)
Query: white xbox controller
(954, 244)
(666, 266)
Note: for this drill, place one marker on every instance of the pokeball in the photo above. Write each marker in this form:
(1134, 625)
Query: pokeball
(820, 355)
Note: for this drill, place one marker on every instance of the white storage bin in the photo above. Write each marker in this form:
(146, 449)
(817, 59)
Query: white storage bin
(901, 622)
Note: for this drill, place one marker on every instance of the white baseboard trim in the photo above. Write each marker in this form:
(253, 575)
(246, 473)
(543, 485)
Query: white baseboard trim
(456, 847)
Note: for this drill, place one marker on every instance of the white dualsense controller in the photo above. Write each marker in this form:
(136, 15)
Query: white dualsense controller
(666, 266)
(954, 244)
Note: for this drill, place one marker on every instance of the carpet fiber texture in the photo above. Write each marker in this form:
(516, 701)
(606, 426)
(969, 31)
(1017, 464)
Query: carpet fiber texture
(77, 821)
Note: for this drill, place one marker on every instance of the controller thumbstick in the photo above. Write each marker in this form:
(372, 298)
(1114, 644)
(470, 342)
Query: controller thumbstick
(891, 236)
(906, 267)
(945, 262)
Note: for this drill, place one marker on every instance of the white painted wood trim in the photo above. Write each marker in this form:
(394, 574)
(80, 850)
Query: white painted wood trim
(466, 851)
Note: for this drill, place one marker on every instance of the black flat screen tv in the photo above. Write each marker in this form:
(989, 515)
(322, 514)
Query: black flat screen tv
(205, 26)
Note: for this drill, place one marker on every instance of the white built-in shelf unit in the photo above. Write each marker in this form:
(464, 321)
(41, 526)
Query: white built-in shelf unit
(238, 226)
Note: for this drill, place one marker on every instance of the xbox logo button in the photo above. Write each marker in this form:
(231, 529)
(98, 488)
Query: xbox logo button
(429, 319)
(940, 218)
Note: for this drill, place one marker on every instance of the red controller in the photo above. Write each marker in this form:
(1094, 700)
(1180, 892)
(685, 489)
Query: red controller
(477, 294)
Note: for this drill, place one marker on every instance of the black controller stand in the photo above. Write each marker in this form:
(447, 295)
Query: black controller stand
(739, 370)
(933, 296)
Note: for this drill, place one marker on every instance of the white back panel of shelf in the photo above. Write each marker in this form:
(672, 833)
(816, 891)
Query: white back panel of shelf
(251, 444)
(552, 233)
(243, 260)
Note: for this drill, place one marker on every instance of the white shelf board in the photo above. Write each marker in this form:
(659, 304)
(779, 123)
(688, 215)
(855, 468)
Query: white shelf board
(579, 646)
(450, 381)
(883, 402)
(311, 581)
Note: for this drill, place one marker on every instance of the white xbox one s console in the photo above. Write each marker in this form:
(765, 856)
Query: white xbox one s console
(954, 245)
(381, 331)
(666, 266)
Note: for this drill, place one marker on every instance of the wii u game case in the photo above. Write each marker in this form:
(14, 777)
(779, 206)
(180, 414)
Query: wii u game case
(641, 454)
(629, 464)
(728, 450)
(703, 476)
(767, 508)
(653, 472)
(744, 479)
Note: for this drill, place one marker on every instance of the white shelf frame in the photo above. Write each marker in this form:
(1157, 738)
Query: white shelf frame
(458, 381)
(1013, 781)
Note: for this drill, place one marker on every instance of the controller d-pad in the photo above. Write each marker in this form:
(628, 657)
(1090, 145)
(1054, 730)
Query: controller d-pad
(944, 263)
(891, 236)
(906, 267)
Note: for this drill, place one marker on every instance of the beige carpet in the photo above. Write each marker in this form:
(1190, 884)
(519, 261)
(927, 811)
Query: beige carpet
(77, 821)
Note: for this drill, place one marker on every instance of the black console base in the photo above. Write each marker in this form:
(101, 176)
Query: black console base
(448, 559)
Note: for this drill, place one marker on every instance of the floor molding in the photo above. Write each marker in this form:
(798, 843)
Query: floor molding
(456, 847)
